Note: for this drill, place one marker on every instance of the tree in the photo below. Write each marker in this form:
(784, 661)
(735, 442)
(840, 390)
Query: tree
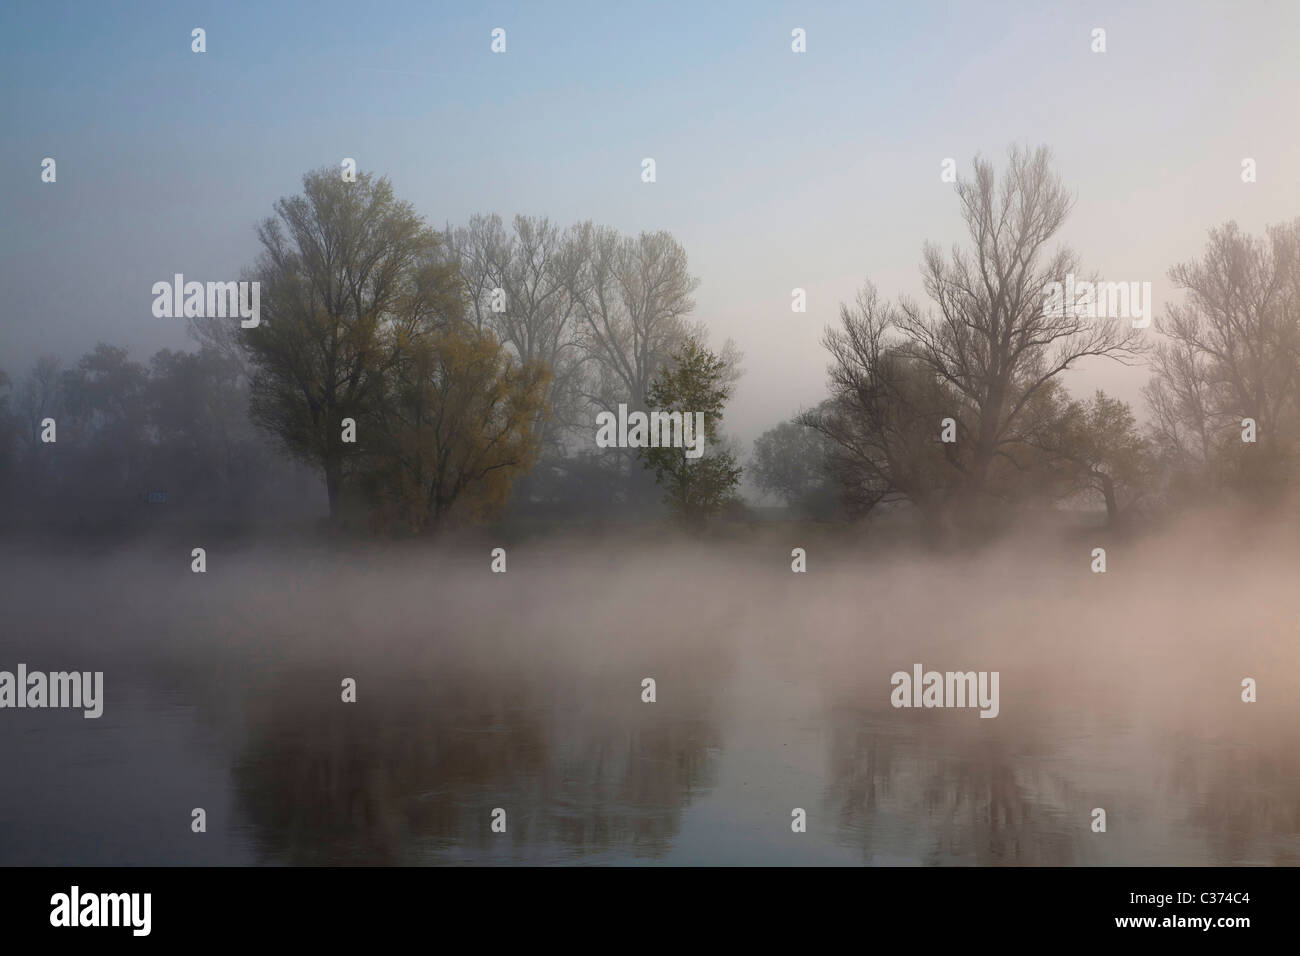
(455, 427)
(480, 250)
(1113, 459)
(883, 418)
(1233, 352)
(534, 266)
(206, 447)
(987, 358)
(695, 382)
(632, 295)
(344, 267)
(39, 397)
(992, 341)
(791, 461)
(633, 300)
(1189, 446)
(1094, 447)
(106, 405)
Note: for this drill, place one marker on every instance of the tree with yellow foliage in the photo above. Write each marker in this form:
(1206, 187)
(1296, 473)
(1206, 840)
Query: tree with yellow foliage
(455, 429)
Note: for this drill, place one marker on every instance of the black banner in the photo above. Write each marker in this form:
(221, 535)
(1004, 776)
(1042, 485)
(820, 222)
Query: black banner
(329, 905)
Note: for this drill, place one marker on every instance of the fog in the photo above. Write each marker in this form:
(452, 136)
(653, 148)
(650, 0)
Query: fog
(982, 545)
(523, 691)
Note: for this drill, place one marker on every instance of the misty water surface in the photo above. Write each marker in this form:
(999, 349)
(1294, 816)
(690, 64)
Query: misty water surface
(523, 691)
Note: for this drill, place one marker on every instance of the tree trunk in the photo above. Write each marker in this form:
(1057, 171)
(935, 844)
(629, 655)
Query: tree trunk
(1108, 492)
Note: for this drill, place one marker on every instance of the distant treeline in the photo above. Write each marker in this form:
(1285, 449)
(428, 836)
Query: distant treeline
(110, 441)
(428, 376)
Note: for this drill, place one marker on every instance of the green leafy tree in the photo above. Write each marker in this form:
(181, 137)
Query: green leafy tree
(696, 380)
(1107, 455)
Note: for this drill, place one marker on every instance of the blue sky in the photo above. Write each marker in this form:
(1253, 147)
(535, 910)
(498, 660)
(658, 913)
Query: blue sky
(775, 170)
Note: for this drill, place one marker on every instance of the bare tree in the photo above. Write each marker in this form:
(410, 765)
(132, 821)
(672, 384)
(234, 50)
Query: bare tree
(633, 296)
(992, 341)
(1180, 401)
(480, 249)
(1233, 353)
(882, 419)
(533, 267)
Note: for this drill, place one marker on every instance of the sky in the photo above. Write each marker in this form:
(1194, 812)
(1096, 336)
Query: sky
(775, 170)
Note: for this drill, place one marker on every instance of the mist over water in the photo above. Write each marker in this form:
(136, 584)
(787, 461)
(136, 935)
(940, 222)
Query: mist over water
(523, 691)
